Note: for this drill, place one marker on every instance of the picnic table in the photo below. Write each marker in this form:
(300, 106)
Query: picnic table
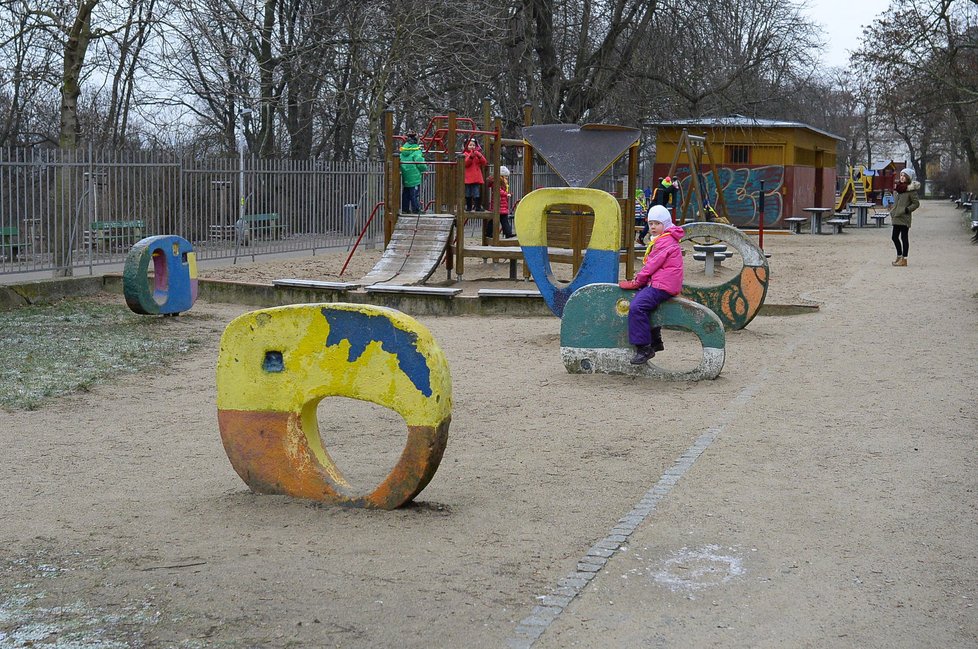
(817, 213)
(711, 253)
(862, 212)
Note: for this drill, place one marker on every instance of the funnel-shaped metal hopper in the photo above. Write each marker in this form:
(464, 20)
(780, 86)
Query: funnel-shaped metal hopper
(579, 154)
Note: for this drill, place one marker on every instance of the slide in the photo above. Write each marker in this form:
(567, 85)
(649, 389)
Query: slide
(417, 245)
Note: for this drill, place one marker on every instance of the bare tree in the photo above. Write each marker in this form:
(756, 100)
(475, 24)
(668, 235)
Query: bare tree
(925, 54)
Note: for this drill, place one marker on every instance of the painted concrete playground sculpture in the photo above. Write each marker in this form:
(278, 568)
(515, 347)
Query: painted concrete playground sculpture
(738, 300)
(174, 288)
(600, 262)
(276, 365)
(594, 334)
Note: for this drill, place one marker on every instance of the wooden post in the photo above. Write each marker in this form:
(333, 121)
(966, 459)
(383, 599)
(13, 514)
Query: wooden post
(392, 179)
(628, 220)
(457, 187)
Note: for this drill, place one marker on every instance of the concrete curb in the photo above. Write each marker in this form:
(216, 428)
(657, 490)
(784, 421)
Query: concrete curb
(265, 295)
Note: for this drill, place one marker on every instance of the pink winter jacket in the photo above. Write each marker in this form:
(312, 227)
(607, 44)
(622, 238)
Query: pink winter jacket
(663, 267)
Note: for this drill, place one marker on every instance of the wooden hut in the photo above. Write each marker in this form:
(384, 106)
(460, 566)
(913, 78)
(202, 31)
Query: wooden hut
(796, 162)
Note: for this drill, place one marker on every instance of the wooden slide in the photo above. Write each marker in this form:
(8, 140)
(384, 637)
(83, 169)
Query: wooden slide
(416, 247)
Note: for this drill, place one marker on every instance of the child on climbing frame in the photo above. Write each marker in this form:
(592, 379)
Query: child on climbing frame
(474, 180)
(505, 197)
(661, 278)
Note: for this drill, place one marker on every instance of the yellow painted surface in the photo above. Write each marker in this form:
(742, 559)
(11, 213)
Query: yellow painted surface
(268, 416)
(532, 222)
(314, 371)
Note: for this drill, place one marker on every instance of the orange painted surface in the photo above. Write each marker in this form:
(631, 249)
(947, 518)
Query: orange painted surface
(271, 453)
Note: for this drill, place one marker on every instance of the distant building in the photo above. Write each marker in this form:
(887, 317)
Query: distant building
(796, 162)
(884, 174)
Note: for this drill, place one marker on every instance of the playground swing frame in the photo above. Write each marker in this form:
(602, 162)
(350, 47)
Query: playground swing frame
(693, 144)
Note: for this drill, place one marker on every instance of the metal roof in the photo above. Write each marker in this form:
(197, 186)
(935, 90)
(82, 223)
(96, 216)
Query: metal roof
(739, 121)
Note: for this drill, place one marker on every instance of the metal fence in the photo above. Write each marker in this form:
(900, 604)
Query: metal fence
(81, 209)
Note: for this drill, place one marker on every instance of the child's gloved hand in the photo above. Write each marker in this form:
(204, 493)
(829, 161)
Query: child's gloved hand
(627, 285)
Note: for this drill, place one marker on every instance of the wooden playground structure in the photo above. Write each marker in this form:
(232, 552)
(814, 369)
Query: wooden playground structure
(696, 149)
(439, 233)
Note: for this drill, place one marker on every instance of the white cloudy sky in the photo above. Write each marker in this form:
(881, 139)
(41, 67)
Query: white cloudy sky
(842, 22)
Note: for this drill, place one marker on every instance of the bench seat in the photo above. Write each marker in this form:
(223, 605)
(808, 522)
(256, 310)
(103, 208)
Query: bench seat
(9, 243)
(718, 256)
(508, 292)
(796, 221)
(315, 284)
(108, 234)
(264, 226)
(414, 290)
(839, 224)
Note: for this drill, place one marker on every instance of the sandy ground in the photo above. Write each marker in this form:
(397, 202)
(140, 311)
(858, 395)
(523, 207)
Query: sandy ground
(820, 493)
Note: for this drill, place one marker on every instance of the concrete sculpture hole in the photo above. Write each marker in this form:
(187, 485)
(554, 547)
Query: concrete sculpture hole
(565, 223)
(158, 277)
(364, 440)
(683, 351)
(727, 265)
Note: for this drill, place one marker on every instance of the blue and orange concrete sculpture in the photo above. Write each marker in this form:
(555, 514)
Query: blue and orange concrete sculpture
(738, 300)
(594, 334)
(276, 365)
(600, 262)
(174, 288)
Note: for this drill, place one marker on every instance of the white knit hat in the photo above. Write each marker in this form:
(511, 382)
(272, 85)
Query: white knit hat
(661, 214)
(504, 170)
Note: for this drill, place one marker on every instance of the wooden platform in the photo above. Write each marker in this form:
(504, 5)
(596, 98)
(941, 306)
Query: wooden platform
(416, 247)
(342, 287)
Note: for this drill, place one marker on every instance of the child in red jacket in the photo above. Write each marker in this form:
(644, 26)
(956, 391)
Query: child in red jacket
(660, 279)
(474, 162)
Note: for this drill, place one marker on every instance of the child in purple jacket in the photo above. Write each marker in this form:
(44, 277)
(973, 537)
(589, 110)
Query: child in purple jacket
(660, 279)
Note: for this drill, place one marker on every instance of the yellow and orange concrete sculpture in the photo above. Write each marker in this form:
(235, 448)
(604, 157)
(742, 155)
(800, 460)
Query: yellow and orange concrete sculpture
(276, 365)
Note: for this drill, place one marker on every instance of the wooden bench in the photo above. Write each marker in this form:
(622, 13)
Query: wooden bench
(114, 234)
(9, 243)
(264, 226)
(508, 292)
(796, 221)
(221, 233)
(845, 214)
(839, 224)
(414, 290)
(880, 217)
(341, 287)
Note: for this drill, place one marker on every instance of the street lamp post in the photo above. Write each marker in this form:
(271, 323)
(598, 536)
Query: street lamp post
(241, 227)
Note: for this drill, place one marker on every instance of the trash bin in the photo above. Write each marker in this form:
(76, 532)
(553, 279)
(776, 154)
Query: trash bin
(350, 218)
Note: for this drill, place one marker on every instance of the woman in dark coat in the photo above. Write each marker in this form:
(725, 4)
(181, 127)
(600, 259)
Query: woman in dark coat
(904, 203)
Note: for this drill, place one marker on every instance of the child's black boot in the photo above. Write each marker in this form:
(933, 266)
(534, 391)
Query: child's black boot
(657, 339)
(642, 354)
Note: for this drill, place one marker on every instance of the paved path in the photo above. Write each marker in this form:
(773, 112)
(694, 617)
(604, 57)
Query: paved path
(847, 511)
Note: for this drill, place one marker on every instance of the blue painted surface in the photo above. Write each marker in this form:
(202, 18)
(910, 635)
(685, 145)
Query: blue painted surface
(361, 329)
(598, 266)
(175, 285)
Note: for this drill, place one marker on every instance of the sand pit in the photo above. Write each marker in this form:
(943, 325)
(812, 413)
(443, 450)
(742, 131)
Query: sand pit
(820, 492)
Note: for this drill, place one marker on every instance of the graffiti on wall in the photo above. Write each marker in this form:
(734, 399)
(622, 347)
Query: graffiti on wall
(741, 192)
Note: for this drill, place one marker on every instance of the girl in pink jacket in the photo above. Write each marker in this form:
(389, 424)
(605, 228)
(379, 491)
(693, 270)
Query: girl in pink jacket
(660, 278)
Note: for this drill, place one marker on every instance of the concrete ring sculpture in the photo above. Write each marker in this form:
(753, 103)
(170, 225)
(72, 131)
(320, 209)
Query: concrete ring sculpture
(738, 300)
(174, 288)
(600, 262)
(276, 365)
(594, 334)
